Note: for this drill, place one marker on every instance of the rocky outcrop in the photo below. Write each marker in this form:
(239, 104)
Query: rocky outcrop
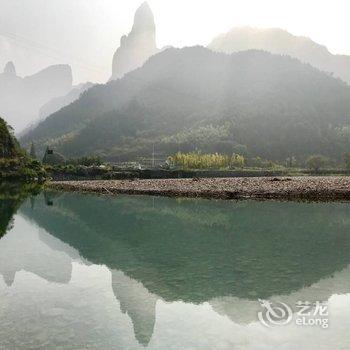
(21, 98)
(138, 46)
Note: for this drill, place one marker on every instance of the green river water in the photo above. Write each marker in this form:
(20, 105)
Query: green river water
(134, 272)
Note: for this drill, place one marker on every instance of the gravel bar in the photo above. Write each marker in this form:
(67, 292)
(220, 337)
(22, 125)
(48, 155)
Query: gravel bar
(325, 188)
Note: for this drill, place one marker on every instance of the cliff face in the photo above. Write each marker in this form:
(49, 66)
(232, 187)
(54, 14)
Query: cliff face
(281, 42)
(21, 98)
(138, 46)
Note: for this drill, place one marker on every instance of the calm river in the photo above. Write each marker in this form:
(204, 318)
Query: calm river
(131, 272)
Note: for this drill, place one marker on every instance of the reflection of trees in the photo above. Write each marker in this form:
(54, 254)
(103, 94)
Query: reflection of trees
(197, 250)
(11, 197)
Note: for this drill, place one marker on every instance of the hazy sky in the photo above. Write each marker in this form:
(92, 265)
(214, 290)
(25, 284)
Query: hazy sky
(85, 33)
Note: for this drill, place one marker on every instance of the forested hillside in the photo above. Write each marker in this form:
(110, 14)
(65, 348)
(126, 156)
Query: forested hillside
(14, 163)
(8, 145)
(189, 99)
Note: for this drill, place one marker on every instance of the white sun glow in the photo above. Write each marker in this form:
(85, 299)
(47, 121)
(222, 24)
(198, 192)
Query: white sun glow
(188, 22)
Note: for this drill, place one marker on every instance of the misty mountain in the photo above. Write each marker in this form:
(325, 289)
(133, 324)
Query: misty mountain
(138, 46)
(195, 99)
(281, 42)
(21, 98)
(57, 103)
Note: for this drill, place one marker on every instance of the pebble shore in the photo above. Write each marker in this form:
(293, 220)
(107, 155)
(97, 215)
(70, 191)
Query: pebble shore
(294, 188)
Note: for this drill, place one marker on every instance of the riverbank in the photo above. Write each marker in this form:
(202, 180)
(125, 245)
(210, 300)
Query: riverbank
(293, 188)
(85, 173)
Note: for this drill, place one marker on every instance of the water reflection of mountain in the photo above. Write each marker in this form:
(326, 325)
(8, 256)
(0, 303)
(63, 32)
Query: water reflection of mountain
(30, 249)
(24, 250)
(17, 249)
(138, 303)
(160, 249)
(197, 250)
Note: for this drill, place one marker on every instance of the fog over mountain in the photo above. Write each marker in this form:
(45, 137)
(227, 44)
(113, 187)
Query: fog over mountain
(194, 99)
(138, 46)
(57, 103)
(85, 34)
(21, 98)
(281, 42)
(39, 102)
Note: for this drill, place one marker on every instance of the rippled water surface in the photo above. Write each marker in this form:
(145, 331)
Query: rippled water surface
(88, 272)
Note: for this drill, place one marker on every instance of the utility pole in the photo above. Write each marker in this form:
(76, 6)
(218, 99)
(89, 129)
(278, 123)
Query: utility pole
(153, 161)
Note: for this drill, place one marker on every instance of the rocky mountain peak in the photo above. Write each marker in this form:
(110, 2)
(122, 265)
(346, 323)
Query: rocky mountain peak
(144, 19)
(138, 46)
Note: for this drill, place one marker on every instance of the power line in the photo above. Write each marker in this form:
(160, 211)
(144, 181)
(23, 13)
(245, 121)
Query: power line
(50, 52)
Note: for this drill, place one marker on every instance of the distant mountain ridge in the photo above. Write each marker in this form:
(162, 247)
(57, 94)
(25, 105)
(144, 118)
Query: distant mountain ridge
(57, 103)
(195, 99)
(279, 41)
(21, 98)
